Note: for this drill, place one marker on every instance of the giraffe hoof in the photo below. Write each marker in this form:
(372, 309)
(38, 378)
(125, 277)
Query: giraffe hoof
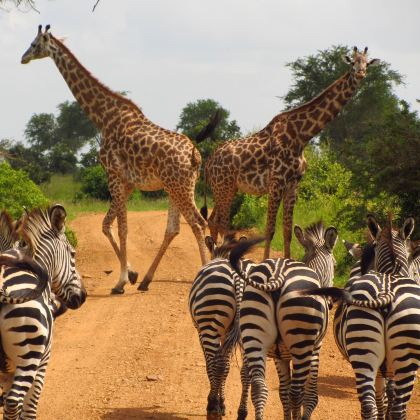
(143, 286)
(117, 291)
(132, 276)
(214, 416)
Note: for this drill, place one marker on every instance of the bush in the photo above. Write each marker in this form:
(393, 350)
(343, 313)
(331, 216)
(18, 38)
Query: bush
(252, 211)
(95, 183)
(71, 236)
(18, 191)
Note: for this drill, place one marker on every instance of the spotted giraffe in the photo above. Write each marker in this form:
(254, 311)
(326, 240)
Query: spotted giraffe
(135, 153)
(272, 160)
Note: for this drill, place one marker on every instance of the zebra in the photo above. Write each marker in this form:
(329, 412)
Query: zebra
(26, 329)
(377, 323)
(275, 321)
(414, 260)
(9, 238)
(214, 301)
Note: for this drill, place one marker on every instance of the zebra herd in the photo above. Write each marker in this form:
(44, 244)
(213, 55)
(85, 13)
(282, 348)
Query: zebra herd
(39, 281)
(279, 308)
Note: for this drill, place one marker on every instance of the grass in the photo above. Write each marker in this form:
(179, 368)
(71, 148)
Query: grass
(63, 188)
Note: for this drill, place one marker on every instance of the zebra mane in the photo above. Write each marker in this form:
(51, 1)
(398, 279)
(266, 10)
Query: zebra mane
(315, 233)
(223, 251)
(415, 249)
(34, 224)
(7, 229)
(387, 237)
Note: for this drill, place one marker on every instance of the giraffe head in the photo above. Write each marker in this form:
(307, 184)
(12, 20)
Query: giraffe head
(40, 47)
(359, 62)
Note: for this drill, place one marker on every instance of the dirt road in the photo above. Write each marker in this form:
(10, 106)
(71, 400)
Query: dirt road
(137, 356)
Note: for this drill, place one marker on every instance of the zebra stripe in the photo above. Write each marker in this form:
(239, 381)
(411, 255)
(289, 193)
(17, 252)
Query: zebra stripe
(285, 325)
(26, 329)
(214, 301)
(414, 261)
(382, 343)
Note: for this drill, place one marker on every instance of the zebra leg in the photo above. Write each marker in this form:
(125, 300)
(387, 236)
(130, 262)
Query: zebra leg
(390, 393)
(224, 368)
(259, 389)
(243, 405)
(30, 404)
(283, 372)
(404, 383)
(381, 396)
(365, 385)
(22, 380)
(310, 399)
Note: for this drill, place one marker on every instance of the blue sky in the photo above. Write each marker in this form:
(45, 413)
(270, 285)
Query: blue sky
(167, 53)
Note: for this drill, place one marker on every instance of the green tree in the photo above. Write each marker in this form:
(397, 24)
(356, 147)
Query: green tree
(196, 115)
(62, 159)
(73, 128)
(40, 131)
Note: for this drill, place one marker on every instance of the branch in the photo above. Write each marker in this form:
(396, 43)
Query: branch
(94, 7)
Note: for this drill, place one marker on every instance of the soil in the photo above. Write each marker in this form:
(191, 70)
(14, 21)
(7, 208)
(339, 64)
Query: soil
(137, 355)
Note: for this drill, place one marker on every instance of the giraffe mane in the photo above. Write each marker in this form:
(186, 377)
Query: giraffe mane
(102, 86)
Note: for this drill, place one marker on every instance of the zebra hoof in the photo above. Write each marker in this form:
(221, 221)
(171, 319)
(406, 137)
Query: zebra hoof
(132, 276)
(242, 415)
(117, 291)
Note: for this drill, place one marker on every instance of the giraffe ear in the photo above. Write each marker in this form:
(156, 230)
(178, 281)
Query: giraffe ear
(347, 59)
(374, 62)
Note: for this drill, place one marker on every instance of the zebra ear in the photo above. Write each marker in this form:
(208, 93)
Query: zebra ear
(208, 240)
(373, 226)
(408, 228)
(58, 217)
(243, 238)
(300, 236)
(354, 249)
(330, 237)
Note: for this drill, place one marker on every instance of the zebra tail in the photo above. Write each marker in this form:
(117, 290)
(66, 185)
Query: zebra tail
(383, 299)
(27, 264)
(240, 250)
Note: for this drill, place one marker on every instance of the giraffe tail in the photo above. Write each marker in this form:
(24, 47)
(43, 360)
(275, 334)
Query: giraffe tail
(210, 128)
(204, 211)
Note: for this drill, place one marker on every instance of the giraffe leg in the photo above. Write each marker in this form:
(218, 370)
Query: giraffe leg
(289, 202)
(219, 218)
(172, 230)
(119, 193)
(274, 199)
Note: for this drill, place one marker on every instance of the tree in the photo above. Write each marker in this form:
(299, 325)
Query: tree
(73, 128)
(40, 131)
(196, 115)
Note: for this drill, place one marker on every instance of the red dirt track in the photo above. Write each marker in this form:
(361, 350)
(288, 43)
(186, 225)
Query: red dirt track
(137, 356)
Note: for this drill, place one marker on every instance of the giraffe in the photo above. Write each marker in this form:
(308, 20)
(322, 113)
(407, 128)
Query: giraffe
(135, 153)
(272, 160)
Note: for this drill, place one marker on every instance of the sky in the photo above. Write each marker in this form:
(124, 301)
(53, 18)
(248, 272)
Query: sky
(167, 53)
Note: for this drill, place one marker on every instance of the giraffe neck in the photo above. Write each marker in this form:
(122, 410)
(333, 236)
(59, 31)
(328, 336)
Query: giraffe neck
(98, 101)
(307, 120)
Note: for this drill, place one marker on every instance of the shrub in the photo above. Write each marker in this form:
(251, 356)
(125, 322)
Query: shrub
(18, 191)
(71, 236)
(252, 211)
(95, 183)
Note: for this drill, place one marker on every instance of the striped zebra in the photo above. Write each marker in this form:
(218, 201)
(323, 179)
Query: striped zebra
(9, 238)
(276, 321)
(414, 261)
(377, 325)
(26, 329)
(214, 303)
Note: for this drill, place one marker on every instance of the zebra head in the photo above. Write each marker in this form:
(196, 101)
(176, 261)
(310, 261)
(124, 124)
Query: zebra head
(223, 250)
(414, 261)
(392, 246)
(8, 234)
(43, 231)
(319, 245)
